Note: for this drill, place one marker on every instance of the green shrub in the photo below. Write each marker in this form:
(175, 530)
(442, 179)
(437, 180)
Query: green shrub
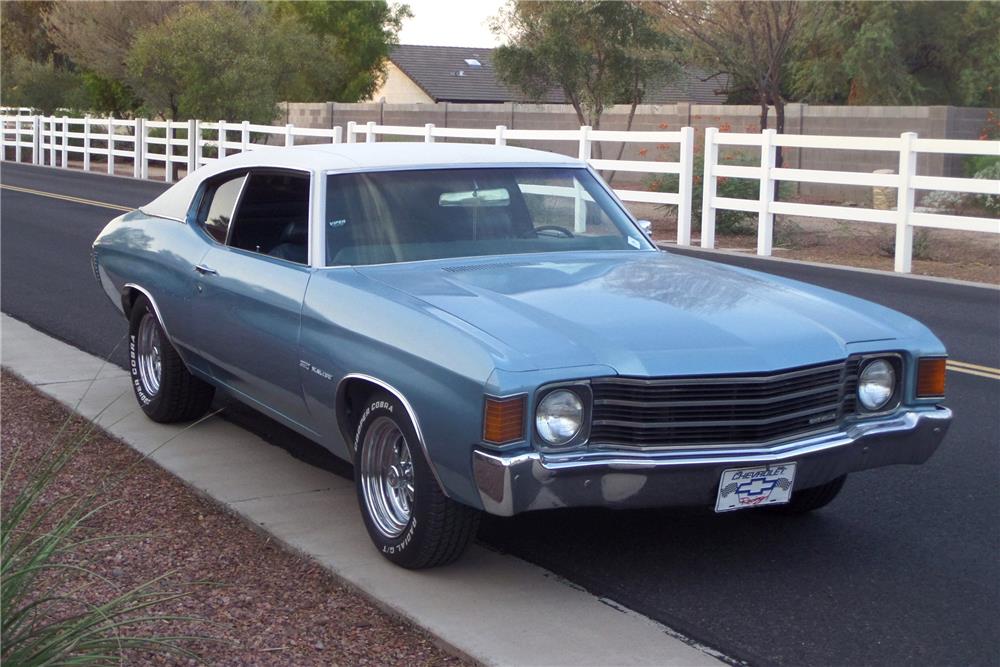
(992, 172)
(726, 221)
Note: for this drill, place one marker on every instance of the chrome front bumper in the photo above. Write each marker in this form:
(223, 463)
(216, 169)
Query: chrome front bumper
(513, 483)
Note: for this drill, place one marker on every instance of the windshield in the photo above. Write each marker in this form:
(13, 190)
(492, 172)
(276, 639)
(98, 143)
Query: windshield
(400, 216)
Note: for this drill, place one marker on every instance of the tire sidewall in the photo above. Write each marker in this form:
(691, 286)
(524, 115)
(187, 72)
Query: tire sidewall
(400, 549)
(149, 404)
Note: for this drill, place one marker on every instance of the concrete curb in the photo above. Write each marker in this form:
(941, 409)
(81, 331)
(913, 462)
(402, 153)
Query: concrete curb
(491, 608)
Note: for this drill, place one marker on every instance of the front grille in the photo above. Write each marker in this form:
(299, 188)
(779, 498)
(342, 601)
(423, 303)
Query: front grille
(712, 411)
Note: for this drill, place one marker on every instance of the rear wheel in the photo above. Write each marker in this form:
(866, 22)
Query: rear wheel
(407, 515)
(163, 386)
(808, 500)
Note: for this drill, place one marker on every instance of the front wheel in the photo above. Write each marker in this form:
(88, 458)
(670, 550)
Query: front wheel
(407, 515)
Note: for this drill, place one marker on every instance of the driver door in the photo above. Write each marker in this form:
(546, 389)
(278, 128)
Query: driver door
(250, 287)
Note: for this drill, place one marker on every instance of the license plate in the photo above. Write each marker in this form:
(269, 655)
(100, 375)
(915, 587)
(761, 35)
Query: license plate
(742, 488)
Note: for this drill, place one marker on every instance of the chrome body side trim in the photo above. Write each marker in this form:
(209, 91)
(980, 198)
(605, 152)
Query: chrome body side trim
(529, 480)
(156, 308)
(409, 411)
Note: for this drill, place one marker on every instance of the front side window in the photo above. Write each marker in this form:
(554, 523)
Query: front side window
(217, 208)
(273, 216)
(384, 217)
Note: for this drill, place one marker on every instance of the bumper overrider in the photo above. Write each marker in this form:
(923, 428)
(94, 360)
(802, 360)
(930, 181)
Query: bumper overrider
(524, 481)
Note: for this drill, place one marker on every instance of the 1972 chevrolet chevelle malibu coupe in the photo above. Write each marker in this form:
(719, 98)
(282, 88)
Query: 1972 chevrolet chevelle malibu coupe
(483, 328)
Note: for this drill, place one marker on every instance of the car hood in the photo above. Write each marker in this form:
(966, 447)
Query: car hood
(642, 313)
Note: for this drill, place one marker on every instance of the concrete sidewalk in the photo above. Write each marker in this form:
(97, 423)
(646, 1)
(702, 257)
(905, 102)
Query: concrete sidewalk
(495, 609)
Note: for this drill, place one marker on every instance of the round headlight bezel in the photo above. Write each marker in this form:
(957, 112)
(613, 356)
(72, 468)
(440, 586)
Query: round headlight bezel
(888, 369)
(581, 395)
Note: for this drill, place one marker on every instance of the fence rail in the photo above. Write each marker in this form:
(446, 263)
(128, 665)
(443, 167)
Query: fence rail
(55, 140)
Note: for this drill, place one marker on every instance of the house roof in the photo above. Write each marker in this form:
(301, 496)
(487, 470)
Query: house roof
(450, 74)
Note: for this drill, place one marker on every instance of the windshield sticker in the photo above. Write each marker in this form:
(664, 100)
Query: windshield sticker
(633, 242)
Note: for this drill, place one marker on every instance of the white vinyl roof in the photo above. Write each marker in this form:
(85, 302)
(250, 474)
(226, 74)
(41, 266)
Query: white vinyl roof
(392, 155)
(355, 157)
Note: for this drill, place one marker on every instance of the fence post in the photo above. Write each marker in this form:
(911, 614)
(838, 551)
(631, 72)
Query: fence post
(370, 132)
(168, 152)
(428, 133)
(338, 134)
(193, 149)
(351, 129)
(289, 137)
(86, 142)
(684, 184)
(65, 142)
(579, 205)
(708, 186)
(111, 145)
(765, 219)
(141, 163)
(245, 136)
(17, 140)
(222, 138)
(36, 140)
(584, 152)
(904, 203)
(501, 140)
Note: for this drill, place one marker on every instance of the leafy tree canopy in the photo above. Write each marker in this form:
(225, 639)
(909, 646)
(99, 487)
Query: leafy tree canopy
(599, 53)
(224, 61)
(358, 35)
(900, 53)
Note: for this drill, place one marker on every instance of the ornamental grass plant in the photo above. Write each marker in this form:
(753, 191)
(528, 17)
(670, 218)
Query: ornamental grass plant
(55, 607)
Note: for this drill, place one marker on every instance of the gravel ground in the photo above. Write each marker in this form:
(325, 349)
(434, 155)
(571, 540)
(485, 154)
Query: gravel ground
(264, 605)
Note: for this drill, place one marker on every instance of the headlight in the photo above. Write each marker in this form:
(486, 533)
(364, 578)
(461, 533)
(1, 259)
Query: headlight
(559, 417)
(876, 385)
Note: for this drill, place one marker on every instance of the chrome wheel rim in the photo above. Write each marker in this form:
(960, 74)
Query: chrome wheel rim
(148, 349)
(387, 477)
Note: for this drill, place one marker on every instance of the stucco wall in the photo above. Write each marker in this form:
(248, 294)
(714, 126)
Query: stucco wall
(398, 88)
(936, 122)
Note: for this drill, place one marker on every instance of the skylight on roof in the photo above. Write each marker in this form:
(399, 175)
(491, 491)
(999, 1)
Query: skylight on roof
(472, 62)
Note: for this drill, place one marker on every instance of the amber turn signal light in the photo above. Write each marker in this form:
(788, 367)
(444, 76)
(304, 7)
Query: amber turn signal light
(503, 420)
(930, 378)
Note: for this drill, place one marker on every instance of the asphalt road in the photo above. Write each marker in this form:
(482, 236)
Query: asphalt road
(902, 568)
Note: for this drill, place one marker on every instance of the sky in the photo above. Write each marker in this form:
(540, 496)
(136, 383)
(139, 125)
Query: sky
(450, 23)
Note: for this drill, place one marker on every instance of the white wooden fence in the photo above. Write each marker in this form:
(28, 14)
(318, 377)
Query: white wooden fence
(56, 140)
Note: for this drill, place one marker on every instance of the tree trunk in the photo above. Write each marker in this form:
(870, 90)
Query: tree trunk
(779, 126)
(628, 127)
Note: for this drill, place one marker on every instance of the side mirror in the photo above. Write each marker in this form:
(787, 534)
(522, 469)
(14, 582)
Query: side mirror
(647, 227)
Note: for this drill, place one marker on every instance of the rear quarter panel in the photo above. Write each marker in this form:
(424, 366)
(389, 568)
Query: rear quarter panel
(159, 255)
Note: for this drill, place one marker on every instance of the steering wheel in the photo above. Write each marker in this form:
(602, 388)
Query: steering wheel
(559, 231)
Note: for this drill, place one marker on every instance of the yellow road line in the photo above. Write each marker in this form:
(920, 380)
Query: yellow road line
(968, 371)
(975, 367)
(75, 200)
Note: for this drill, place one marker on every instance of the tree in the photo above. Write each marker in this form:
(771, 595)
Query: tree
(43, 85)
(224, 61)
(599, 53)
(901, 53)
(97, 36)
(751, 41)
(357, 35)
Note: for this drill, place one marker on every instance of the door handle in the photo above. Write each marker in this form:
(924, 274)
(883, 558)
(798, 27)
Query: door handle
(206, 270)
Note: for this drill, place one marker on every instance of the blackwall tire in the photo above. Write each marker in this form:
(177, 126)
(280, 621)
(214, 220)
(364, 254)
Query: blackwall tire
(408, 517)
(163, 386)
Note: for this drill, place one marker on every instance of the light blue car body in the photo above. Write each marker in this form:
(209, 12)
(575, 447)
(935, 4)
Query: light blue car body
(290, 340)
